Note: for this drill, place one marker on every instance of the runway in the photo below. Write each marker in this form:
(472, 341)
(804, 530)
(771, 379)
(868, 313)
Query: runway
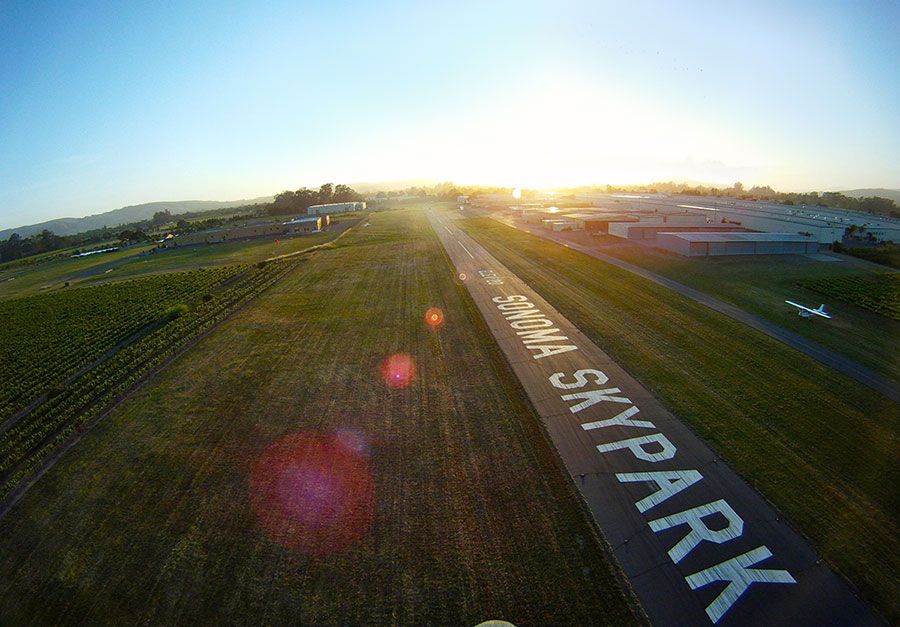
(696, 542)
(836, 361)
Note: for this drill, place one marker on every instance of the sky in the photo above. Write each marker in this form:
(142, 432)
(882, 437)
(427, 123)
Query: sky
(106, 104)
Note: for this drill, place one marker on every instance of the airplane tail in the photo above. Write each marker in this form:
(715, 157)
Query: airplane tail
(822, 308)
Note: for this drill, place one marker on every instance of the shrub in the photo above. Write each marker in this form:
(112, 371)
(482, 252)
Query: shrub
(175, 311)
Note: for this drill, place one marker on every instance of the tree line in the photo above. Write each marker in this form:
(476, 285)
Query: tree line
(17, 247)
(291, 202)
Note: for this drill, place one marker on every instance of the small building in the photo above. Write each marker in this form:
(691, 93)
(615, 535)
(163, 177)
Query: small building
(303, 224)
(336, 207)
(579, 218)
(599, 223)
(559, 224)
(718, 244)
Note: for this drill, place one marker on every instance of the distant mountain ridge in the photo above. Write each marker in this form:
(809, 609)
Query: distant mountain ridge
(893, 194)
(126, 215)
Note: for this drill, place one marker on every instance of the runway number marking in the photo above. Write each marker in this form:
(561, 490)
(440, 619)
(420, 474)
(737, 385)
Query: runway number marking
(490, 277)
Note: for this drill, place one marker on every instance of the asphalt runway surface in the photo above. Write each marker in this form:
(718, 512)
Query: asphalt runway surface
(698, 544)
(836, 361)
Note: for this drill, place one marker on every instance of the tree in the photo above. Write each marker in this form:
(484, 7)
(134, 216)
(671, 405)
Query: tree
(283, 203)
(160, 218)
(136, 235)
(11, 248)
(48, 240)
(344, 193)
(287, 203)
(326, 193)
(297, 202)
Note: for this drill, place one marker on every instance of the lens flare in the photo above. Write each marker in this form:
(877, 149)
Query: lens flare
(314, 492)
(353, 440)
(398, 371)
(434, 318)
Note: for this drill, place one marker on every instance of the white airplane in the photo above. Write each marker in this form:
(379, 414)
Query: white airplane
(806, 312)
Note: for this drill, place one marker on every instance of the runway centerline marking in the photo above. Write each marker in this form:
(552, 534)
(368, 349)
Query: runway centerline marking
(463, 247)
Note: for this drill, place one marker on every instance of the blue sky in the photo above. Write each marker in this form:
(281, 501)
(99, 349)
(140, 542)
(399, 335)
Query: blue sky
(108, 104)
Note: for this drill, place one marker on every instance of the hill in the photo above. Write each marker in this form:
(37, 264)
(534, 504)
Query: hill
(126, 215)
(893, 194)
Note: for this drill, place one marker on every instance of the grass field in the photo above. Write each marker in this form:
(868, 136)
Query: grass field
(820, 446)
(762, 284)
(142, 260)
(876, 292)
(33, 260)
(203, 299)
(205, 255)
(149, 519)
(49, 337)
(20, 278)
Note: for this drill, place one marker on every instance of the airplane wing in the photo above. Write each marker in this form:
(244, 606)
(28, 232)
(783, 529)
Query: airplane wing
(809, 310)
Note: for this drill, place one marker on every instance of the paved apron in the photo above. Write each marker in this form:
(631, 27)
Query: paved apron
(697, 543)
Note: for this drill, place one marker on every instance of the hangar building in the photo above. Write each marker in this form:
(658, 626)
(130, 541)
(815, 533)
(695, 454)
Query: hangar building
(600, 223)
(216, 236)
(717, 244)
(538, 216)
(647, 231)
(581, 218)
(336, 207)
(303, 224)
